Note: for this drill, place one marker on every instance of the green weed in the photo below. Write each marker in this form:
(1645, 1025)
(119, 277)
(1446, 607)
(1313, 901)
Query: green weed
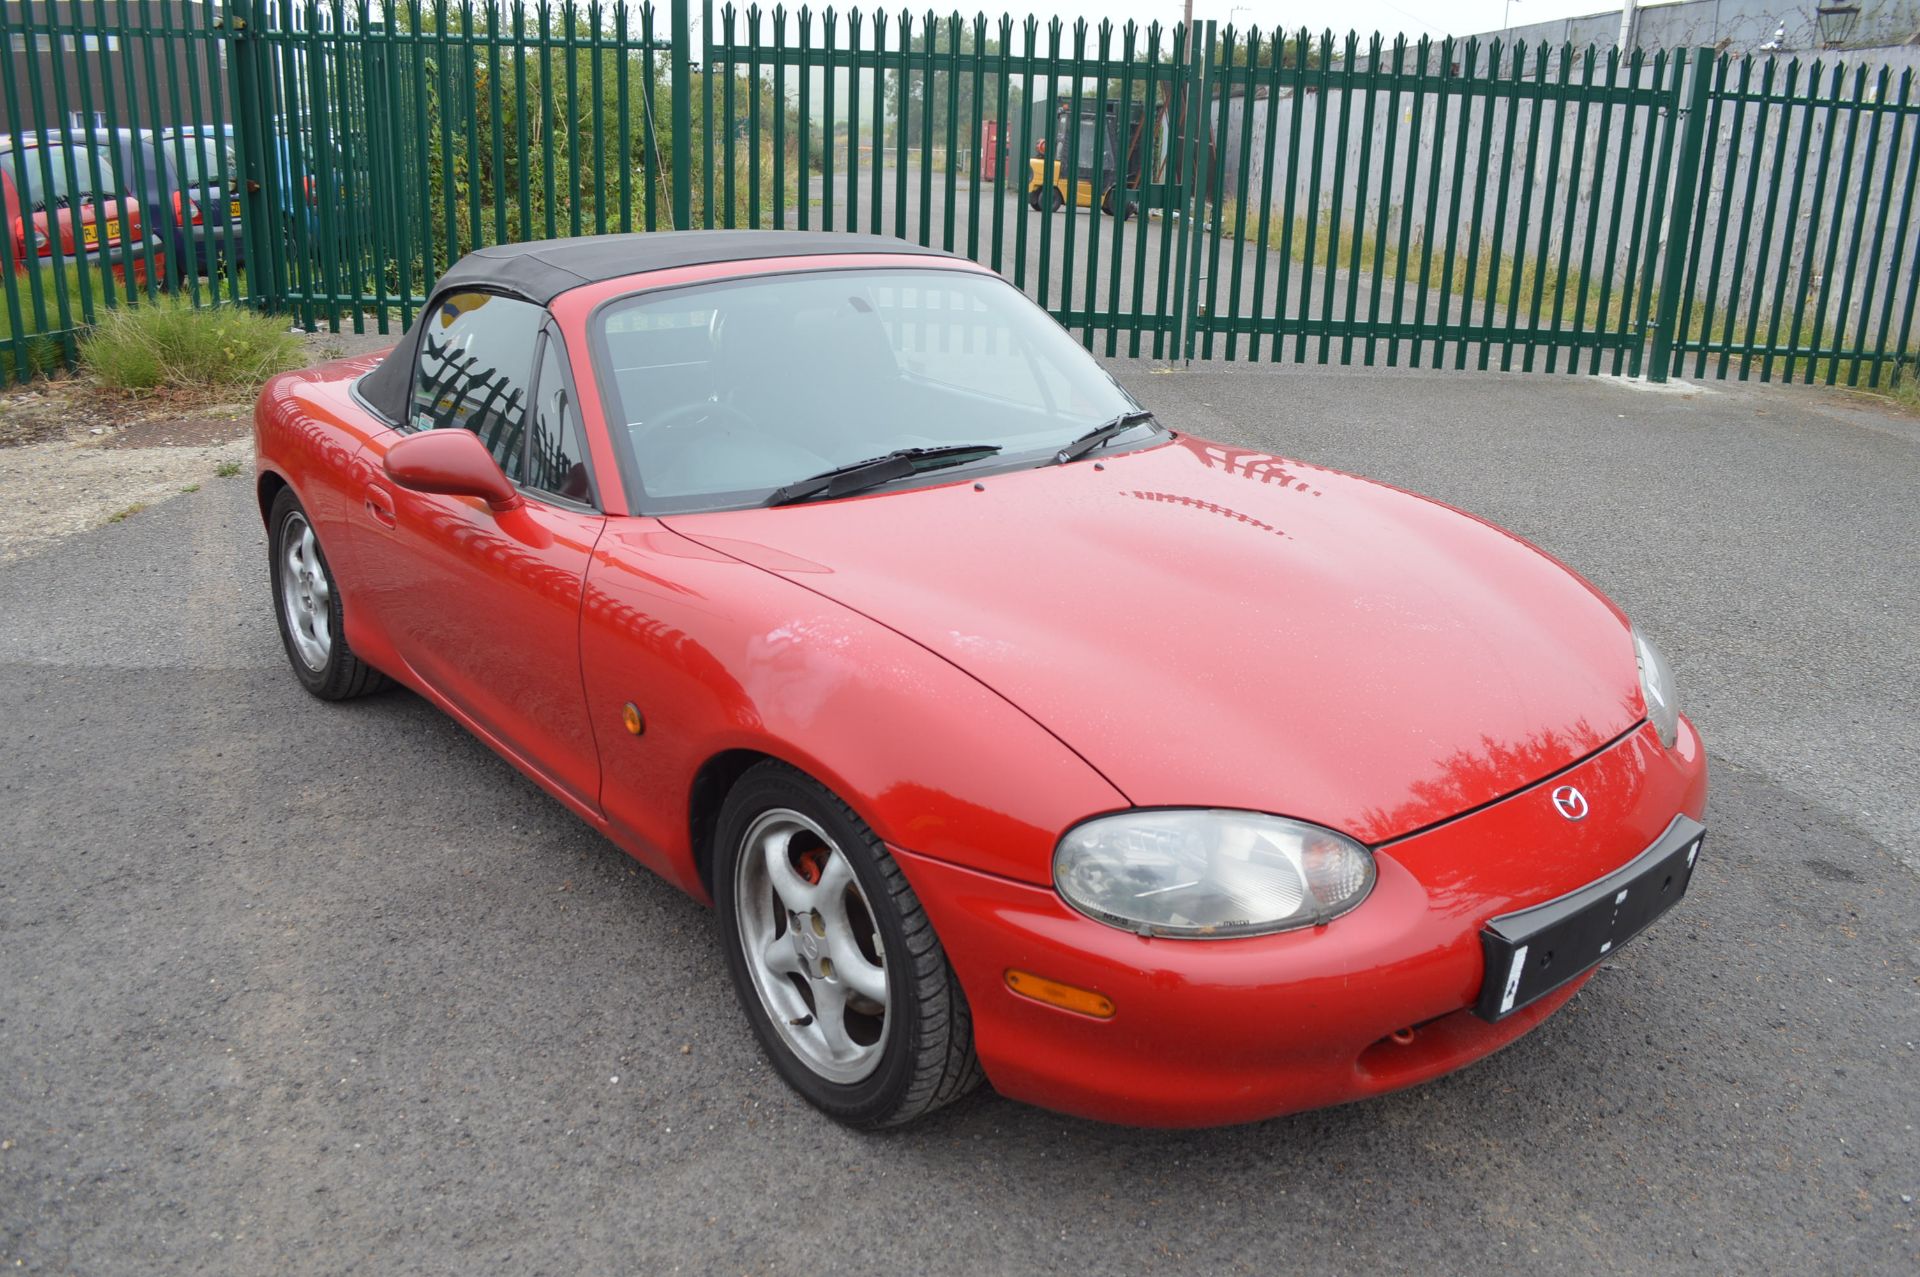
(169, 344)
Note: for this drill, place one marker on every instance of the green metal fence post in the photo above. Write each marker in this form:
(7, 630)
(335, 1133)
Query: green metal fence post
(1680, 216)
(1198, 211)
(682, 117)
(707, 182)
(253, 143)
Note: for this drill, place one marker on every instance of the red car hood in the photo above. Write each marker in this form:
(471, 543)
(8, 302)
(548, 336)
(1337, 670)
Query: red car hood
(1213, 627)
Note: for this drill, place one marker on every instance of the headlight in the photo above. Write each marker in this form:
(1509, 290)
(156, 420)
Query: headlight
(1210, 873)
(1656, 685)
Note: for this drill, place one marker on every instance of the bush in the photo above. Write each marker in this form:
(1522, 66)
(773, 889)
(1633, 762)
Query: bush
(170, 344)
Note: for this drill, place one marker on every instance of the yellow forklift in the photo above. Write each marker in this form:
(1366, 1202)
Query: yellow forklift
(1047, 167)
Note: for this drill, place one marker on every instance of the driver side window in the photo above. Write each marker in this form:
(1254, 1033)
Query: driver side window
(476, 372)
(557, 454)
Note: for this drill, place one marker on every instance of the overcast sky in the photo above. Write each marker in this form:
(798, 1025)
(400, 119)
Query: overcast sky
(1415, 17)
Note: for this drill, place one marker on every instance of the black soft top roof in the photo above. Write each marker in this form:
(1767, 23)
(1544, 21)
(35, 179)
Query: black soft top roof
(541, 271)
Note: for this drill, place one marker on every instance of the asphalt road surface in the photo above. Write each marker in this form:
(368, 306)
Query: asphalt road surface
(294, 987)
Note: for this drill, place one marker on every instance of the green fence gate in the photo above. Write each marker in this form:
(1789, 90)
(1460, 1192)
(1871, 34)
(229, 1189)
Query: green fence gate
(1802, 259)
(1439, 204)
(1165, 193)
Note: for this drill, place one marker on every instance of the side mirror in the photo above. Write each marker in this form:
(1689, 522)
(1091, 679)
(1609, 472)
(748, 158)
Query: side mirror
(453, 463)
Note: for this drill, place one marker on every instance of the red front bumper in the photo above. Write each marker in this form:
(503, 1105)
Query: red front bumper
(1215, 1031)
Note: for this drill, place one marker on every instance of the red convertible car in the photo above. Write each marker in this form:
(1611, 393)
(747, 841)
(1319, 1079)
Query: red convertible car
(1009, 730)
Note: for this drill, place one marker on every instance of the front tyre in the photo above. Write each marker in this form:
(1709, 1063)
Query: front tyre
(833, 958)
(308, 607)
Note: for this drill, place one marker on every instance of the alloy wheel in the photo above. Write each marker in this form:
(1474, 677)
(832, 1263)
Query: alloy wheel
(306, 595)
(812, 948)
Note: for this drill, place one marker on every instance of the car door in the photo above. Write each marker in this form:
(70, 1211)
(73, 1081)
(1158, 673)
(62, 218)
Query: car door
(484, 607)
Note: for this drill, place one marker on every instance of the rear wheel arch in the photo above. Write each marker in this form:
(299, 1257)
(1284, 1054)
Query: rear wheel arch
(308, 608)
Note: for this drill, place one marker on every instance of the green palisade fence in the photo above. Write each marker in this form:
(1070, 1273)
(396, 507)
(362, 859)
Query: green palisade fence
(1221, 194)
(1802, 262)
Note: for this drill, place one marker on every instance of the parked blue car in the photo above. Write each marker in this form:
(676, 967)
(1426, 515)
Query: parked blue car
(211, 174)
(202, 154)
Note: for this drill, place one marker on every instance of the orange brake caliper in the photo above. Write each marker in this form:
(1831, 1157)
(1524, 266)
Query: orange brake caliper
(812, 862)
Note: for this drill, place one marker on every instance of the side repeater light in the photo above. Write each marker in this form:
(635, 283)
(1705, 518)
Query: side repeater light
(1065, 996)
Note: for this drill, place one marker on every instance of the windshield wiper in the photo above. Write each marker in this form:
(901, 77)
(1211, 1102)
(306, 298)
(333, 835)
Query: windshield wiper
(1100, 434)
(858, 476)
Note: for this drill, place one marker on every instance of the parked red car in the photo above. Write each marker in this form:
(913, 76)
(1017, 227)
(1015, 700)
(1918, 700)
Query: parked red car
(1009, 729)
(73, 208)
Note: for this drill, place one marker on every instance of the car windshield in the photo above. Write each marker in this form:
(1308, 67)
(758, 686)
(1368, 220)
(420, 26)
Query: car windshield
(91, 178)
(723, 393)
(204, 158)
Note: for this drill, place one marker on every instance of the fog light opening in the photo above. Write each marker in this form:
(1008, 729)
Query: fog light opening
(1055, 994)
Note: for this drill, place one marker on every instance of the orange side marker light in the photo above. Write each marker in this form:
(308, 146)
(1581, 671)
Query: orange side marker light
(1064, 996)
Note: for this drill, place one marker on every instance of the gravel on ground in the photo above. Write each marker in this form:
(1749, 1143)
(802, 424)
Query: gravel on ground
(74, 457)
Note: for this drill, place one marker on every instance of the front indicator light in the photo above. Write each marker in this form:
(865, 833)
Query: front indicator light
(1064, 996)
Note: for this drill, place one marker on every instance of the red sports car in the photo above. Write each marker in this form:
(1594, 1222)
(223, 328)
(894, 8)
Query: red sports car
(1010, 730)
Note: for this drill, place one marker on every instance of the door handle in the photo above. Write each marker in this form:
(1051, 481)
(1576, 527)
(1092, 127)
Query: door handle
(379, 503)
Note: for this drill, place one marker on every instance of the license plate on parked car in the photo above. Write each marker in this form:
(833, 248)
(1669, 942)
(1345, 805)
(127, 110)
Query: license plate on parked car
(233, 209)
(1534, 951)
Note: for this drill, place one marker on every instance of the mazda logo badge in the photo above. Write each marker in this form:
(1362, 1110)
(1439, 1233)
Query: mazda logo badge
(1570, 802)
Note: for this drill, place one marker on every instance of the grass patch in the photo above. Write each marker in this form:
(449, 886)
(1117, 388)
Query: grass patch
(1584, 304)
(42, 348)
(1905, 389)
(37, 354)
(1898, 382)
(1512, 282)
(227, 469)
(121, 516)
(168, 344)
